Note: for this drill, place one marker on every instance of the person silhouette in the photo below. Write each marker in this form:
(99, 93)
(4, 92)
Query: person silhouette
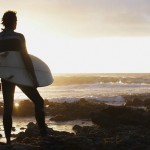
(13, 41)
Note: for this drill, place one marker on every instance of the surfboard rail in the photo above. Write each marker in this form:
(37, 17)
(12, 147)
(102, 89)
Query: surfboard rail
(12, 69)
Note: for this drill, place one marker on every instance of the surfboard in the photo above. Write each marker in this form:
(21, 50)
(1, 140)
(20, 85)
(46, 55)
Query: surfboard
(12, 69)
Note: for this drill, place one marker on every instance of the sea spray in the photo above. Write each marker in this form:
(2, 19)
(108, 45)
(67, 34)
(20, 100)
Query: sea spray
(102, 87)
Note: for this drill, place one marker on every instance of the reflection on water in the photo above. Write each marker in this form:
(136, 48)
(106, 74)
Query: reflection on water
(19, 122)
(68, 125)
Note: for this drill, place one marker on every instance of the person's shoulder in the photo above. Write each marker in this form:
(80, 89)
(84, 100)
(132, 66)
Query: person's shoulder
(19, 35)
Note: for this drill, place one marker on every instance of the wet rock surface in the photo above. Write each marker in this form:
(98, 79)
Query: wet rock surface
(116, 128)
(86, 138)
(118, 116)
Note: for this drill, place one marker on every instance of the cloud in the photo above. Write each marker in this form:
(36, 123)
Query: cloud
(102, 17)
(89, 17)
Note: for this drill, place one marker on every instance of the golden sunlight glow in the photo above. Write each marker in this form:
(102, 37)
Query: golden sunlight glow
(86, 55)
(77, 55)
(16, 104)
(88, 41)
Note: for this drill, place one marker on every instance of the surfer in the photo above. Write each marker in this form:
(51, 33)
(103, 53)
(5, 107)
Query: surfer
(13, 41)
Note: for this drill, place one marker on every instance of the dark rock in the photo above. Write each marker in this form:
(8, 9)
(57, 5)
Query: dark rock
(118, 128)
(30, 125)
(5, 147)
(21, 147)
(22, 128)
(21, 136)
(14, 135)
(147, 102)
(13, 129)
(121, 116)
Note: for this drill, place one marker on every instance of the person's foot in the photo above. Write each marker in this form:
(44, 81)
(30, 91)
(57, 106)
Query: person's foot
(43, 132)
(8, 141)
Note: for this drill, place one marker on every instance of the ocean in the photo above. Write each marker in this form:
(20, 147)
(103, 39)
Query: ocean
(106, 87)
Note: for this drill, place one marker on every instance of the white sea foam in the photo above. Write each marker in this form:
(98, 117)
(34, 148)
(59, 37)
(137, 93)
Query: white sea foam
(109, 89)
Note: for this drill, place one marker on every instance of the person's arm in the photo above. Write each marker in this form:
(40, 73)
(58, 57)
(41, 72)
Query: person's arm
(28, 63)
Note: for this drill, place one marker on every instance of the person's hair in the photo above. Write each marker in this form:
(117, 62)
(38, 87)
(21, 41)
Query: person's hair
(9, 18)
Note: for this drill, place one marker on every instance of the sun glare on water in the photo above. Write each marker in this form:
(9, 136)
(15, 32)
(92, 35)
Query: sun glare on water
(16, 105)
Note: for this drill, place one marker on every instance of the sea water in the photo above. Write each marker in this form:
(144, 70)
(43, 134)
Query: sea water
(20, 124)
(110, 88)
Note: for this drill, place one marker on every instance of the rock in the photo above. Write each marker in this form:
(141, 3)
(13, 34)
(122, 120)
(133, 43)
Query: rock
(147, 102)
(32, 130)
(30, 125)
(121, 115)
(118, 128)
(21, 147)
(5, 147)
(89, 131)
(22, 128)
(13, 129)
(14, 135)
(20, 136)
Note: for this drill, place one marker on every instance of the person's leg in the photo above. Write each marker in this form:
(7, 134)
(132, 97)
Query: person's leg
(8, 96)
(38, 101)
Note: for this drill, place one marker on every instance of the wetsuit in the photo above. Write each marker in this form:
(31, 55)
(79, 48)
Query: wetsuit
(13, 41)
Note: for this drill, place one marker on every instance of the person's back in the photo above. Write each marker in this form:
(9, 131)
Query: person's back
(13, 41)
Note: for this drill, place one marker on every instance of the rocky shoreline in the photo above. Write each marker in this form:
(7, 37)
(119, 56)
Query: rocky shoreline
(115, 128)
(85, 138)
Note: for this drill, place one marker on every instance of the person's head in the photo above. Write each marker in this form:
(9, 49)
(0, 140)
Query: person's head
(9, 20)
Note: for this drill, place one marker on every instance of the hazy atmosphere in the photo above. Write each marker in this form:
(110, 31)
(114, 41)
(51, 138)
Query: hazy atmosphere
(99, 54)
(86, 36)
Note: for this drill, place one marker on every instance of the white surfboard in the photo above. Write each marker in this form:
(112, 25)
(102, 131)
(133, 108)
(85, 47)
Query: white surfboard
(13, 69)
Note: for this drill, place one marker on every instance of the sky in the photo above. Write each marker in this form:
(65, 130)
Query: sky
(86, 36)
